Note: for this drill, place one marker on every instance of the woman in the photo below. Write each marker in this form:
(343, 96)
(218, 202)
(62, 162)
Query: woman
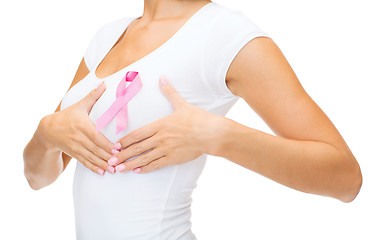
(211, 56)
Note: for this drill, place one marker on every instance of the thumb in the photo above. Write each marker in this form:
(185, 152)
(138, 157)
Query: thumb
(91, 98)
(171, 93)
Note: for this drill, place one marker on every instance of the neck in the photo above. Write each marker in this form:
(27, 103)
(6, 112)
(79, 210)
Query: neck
(155, 10)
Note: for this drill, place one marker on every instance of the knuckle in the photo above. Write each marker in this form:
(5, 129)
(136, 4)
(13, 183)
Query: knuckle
(44, 121)
(103, 165)
(94, 137)
(145, 159)
(78, 125)
(74, 148)
(95, 149)
(168, 136)
(165, 138)
(160, 140)
(138, 148)
(74, 138)
(84, 162)
(90, 157)
(155, 165)
(135, 135)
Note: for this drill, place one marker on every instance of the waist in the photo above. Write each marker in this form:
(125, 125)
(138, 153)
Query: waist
(136, 206)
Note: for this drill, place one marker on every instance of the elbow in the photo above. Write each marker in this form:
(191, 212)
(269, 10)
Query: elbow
(353, 184)
(34, 185)
(34, 178)
(29, 175)
(353, 192)
(38, 181)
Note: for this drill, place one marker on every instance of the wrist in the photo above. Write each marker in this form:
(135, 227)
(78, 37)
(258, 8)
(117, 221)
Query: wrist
(40, 137)
(213, 134)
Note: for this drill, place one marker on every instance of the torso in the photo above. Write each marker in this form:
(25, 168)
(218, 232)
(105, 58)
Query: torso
(154, 205)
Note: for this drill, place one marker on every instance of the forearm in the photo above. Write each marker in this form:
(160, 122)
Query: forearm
(308, 166)
(42, 163)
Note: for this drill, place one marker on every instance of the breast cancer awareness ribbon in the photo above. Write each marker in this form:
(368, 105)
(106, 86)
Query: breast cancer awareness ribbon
(119, 108)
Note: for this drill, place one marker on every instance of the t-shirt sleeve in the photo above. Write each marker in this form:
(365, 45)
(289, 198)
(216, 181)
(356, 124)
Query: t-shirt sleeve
(226, 37)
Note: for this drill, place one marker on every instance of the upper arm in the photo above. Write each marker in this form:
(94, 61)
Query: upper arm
(261, 75)
(81, 72)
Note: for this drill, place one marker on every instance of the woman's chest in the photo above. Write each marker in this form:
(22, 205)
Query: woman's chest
(148, 103)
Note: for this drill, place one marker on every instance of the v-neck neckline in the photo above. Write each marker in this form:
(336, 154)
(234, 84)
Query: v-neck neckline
(152, 53)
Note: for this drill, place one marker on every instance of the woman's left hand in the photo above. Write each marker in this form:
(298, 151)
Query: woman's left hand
(175, 139)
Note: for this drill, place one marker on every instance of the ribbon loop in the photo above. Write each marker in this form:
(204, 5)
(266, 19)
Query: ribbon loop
(119, 108)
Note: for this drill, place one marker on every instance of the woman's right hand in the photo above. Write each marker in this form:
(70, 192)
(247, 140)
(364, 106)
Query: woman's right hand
(73, 132)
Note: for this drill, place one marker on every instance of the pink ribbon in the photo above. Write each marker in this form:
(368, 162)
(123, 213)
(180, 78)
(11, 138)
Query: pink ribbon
(119, 107)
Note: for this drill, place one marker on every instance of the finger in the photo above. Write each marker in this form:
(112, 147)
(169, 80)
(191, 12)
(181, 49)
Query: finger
(91, 98)
(89, 165)
(139, 134)
(140, 161)
(95, 149)
(95, 160)
(97, 137)
(153, 165)
(171, 93)
(133, 150)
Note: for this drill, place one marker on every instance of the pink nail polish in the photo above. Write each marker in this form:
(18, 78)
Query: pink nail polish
(137, 170)
(110, 169)
(113, 161)
(163, 80)
(100, 171)
(114, 151)
(120, 168)
(99, 85)
(117, 145)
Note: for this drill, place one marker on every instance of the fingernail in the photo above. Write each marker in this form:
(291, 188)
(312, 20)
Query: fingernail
(110, 169)
(100, 171)
(100, 85)
(120, 168)
(137, 170)
(117, 145)
(113, 161)
(114, 151)
(163, 80)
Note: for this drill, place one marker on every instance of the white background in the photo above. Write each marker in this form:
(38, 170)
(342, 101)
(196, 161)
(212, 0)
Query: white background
(327, 43)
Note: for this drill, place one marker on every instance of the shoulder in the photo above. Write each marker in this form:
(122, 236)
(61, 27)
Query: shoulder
(111, 27)
(252, 61)
(227, 20)
(227, 32)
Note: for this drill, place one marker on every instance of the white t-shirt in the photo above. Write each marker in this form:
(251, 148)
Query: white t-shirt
(156, 205)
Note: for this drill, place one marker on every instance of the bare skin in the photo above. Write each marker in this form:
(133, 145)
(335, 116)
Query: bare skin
(308, 153)
(135, 42)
